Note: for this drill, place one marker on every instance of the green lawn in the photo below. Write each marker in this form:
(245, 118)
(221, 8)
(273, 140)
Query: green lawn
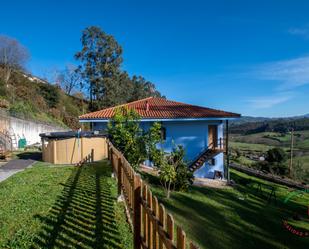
(51, 206)
(236, 218)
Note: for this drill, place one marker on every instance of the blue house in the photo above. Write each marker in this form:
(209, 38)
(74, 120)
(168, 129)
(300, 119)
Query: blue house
(198, 129)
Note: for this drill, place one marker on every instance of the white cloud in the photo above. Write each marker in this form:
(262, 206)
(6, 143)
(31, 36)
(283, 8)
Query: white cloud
(303, 32)
(264, 102)
(289, 73)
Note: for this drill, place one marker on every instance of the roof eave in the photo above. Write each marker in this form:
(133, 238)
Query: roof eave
(102, 120)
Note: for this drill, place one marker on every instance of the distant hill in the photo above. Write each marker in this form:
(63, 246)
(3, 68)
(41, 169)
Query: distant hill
(249, 119)
(256, 125)
(29, 97)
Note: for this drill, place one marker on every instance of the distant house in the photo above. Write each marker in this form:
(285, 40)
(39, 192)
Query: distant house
(198, 129)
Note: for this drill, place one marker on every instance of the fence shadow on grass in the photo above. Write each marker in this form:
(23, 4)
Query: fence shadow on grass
(83, 215)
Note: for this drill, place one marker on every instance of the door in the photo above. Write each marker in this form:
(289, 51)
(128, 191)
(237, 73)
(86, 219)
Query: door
(212, 136)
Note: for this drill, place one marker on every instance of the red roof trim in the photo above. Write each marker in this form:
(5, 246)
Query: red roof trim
(160, 108)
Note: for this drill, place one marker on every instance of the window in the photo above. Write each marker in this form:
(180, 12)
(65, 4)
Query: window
(163, 133)
(213, 161)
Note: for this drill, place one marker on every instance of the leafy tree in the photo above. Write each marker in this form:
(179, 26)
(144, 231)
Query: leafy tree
(174, 173)
(143, 89)
(276, 155)
(153, 137)
(118, 92)
(108, 85)
(13, 56)
(276, 158)
(101, 57)
(184, 177)
(127, 136)
(167, 176)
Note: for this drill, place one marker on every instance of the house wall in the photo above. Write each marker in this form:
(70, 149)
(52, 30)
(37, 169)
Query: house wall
(193, 135)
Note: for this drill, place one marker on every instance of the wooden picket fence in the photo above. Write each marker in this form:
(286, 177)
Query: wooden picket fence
(153, 227)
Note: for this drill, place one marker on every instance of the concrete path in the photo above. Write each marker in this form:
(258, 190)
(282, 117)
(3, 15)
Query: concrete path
(14, 166)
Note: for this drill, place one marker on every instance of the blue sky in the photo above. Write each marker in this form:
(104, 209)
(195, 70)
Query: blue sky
(250, 57)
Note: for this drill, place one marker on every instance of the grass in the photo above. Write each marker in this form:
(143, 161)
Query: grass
(50, 206)
(236, 217)
(250, 146)
(301, 140)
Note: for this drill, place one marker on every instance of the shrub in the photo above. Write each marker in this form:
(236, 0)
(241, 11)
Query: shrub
(276, 155)
(183, 176)
(50, 93)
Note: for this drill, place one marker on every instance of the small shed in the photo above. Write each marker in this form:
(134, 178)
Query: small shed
(73, 147)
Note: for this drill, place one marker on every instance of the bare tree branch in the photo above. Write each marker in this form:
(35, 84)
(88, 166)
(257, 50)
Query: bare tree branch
(13, 56)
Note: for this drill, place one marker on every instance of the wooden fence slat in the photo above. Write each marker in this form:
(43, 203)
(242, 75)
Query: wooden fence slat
(145, 217)
(150, 234)
(162, 223)
(181, 238)
(137, 212)
(170, 226)
(119, 175)
(155, 210)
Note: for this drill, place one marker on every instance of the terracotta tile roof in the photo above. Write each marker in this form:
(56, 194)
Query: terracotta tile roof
(160, 108)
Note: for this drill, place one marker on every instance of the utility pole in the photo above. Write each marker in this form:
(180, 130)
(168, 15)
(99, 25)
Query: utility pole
(291, 156)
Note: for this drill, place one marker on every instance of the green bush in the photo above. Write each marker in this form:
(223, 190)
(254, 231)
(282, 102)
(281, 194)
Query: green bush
(276, 155)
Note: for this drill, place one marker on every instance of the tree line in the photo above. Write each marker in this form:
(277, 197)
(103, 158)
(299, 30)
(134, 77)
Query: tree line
(278, 125)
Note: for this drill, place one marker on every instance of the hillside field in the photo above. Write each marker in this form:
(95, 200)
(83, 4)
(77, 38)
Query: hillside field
(251, 146)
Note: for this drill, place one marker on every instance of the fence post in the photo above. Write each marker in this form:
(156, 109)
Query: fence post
(112, 159)
(181, 238)
(137, 212)
(119, 175)
(108, 151)
(92, 155)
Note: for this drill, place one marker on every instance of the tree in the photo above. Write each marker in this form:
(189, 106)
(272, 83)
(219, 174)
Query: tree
(174, 173)
(276, 155)
(276, 158)
(143, 88)
(184, 177)
(153, 137)
(167, 175)
(69, 79)
(13, 56)
(101, 57)
(127, 136)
